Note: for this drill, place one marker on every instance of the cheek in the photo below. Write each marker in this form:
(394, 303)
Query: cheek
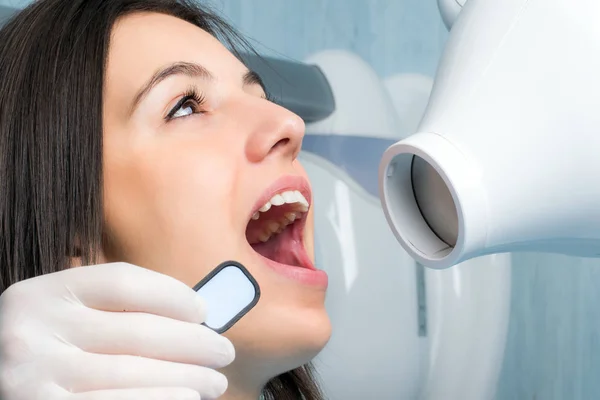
(167, 199)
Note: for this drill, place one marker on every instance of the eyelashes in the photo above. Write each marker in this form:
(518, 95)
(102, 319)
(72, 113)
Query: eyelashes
(192, 100)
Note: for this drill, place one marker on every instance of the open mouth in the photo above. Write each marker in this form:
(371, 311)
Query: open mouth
(276, 229)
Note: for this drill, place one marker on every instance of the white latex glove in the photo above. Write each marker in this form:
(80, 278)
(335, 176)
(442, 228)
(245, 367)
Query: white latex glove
(108, 332)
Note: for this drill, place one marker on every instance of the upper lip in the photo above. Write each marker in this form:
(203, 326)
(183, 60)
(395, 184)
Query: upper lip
(285, 183)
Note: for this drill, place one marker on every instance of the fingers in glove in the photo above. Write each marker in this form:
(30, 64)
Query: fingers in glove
(138, 394)
(121, 287)
(80, 373)
(151, 336)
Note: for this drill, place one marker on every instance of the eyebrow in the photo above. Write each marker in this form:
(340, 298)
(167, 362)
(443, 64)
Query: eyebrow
(191, 70)
(252, 78)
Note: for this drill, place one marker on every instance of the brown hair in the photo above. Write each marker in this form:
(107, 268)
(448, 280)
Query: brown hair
(52, 64)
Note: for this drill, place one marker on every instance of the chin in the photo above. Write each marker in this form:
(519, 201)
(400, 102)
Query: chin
(289, 326)
(309, 341)
(270, 348)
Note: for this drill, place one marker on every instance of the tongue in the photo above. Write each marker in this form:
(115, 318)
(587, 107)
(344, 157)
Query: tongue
(283, 248)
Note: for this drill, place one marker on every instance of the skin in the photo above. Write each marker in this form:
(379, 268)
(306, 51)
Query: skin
(178, 193)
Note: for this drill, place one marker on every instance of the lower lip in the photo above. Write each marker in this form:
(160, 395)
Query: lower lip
(305, 276)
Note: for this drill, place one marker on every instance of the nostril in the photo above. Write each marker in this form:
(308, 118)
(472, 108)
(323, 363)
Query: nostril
(281, 143)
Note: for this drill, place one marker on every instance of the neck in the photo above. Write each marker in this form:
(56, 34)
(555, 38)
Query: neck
(237, 393)
(242, 385)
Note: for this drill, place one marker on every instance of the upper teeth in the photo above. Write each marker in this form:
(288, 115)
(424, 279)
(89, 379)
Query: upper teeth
(289, 197)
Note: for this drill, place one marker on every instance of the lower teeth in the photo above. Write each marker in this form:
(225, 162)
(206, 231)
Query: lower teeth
(266, 236)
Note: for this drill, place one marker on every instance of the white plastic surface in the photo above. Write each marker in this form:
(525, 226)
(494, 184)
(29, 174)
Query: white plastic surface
(226, 295)
(409, 94)
(362, 105)
(375, 350)
(467, 306)
(512, 128)
(449, 10)
(468, 313)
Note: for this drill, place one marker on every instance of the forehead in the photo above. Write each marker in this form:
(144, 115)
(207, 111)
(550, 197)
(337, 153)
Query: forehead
(141, 43)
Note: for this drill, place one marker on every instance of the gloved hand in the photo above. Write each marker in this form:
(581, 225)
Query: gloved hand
(108, 332)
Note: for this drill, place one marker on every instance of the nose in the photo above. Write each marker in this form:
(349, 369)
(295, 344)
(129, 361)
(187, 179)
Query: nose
(275, 132)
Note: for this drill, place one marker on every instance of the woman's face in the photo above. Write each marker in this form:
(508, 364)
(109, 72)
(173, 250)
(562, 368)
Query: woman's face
(192, 151)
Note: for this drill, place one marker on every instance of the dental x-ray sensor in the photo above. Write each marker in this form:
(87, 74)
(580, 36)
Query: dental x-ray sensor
(229, 292)
(507, 155)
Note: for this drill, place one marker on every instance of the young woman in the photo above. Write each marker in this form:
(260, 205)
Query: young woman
(131, 131)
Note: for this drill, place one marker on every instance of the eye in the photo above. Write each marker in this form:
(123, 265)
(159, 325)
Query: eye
(188, 108)
(188, 105)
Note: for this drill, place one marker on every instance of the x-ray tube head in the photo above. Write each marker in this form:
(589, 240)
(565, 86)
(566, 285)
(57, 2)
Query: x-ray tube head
(505, 158)
(434, 201)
